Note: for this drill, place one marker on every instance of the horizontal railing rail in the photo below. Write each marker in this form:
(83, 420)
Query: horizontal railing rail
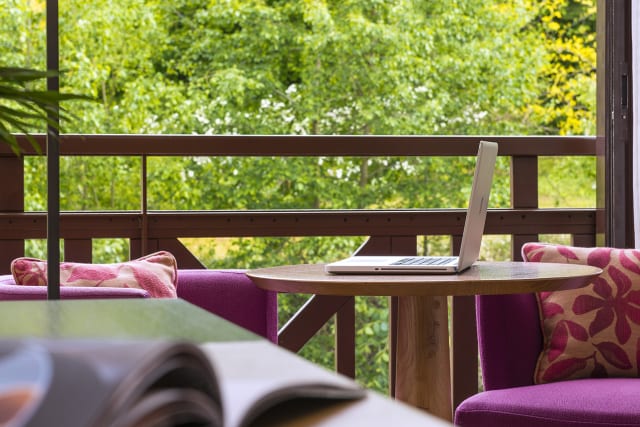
(314, 145)
(171, 224)
(393, 229)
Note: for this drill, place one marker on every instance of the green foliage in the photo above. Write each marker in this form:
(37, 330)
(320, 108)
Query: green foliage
(567, 27)
(23, 106)
(361, 67)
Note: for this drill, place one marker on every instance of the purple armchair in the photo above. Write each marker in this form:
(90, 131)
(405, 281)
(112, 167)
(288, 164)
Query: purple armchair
(510, 340)
(232, 295)
(228, 293)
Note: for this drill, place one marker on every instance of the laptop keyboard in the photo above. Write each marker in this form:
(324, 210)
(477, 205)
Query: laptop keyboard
(424, 261)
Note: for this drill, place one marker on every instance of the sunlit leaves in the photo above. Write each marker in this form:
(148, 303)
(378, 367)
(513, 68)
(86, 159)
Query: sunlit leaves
(567, 106)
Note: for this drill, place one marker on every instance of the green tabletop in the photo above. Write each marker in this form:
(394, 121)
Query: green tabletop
(116, 318)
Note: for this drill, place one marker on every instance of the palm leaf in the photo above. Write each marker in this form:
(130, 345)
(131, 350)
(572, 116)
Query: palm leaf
(24, 106)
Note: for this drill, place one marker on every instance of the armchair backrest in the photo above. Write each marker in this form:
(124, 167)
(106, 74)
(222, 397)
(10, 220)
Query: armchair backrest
(509, 339)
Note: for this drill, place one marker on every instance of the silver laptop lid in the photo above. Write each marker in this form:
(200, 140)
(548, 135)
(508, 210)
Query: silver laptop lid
(478, 203)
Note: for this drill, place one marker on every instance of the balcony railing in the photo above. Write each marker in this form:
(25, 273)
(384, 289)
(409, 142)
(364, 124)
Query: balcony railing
(392, 230)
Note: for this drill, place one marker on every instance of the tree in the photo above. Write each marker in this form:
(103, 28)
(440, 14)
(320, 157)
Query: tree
(567, 103)
(568, 29)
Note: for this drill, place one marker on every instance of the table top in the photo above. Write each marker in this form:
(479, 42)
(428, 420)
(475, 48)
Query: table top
(116, 318)
(178, 319)
(483, 278)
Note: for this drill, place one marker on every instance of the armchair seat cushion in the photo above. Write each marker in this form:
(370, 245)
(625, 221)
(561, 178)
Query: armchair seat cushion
(229, 294)
(585, 403)
(9, 291)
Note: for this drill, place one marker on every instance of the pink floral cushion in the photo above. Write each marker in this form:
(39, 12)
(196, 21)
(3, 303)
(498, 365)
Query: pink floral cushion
(156, 273)
(593, 331)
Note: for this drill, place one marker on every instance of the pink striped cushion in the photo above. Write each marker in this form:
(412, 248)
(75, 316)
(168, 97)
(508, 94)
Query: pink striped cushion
(156, 273)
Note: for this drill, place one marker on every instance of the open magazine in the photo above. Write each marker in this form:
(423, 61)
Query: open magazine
(45, 382)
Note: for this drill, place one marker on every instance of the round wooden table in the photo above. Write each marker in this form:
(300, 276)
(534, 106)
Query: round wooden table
(423, 376)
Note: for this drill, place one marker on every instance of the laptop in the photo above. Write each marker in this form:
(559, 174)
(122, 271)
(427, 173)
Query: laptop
(471, 235)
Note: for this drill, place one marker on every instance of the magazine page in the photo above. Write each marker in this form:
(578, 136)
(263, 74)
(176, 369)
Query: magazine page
(80, 383)
(255, 376)
(116, 383)
(106, 383)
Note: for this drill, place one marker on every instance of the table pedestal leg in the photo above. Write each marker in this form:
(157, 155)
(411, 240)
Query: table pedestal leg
(423, 376)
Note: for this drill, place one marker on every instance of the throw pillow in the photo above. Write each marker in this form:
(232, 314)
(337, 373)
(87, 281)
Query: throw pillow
(156, 273)
(593, 331)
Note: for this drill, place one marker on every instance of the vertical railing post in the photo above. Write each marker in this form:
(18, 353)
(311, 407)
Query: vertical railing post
(78, 250)
(464, 343)
(584, 240)
(346, 338)
(524, 195)
(144, 226)
(11, 201)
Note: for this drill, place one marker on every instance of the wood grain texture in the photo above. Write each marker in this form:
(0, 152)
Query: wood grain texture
(483, 278)
(422, 362)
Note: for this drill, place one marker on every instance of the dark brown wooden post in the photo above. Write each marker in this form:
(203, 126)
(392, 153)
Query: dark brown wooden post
(11, 201)
(346, 338)
(614, 124)
(524, 194)
(464, 343)
(78, 250)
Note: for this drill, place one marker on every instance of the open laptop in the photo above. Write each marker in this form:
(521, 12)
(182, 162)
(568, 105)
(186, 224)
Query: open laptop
(471, 235)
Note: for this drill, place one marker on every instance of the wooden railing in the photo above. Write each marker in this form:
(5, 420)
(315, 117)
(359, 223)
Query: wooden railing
(393, 231)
